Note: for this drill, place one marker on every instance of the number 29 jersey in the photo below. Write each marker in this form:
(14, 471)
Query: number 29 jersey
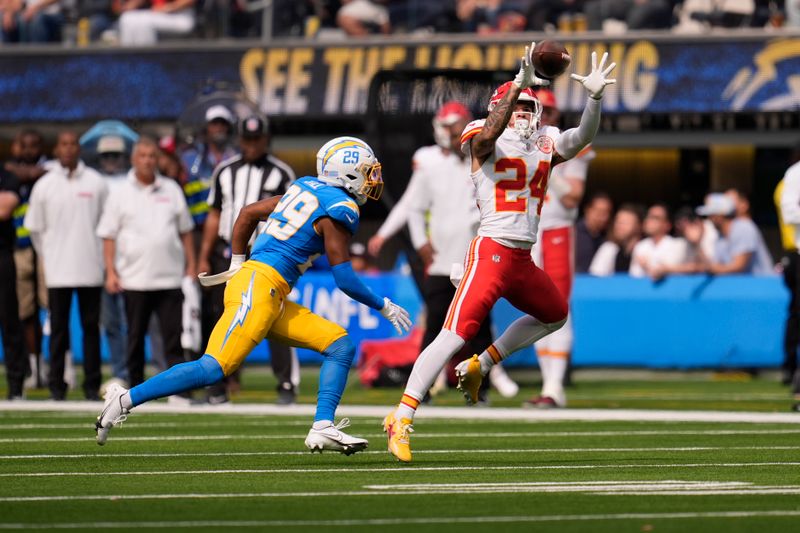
(289, 241)
(512, 182)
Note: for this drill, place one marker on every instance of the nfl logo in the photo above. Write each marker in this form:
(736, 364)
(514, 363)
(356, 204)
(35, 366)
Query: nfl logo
(496, 258)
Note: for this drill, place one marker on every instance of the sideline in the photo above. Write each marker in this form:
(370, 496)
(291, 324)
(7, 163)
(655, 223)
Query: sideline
(426, 412)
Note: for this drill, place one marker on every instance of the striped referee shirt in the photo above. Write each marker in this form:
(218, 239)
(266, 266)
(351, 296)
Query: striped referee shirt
(237, 184)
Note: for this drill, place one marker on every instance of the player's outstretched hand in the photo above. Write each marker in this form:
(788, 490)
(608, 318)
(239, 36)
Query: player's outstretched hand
(526, 77)
(596, 81)
(395, 314)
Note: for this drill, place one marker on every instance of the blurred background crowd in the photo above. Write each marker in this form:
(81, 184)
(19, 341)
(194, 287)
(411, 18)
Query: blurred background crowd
(143, 22)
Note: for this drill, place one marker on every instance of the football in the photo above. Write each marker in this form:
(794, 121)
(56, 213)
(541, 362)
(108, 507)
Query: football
(550, 59)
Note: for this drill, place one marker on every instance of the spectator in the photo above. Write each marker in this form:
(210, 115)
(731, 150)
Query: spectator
(65, 207)
(614, 256)
(787, 200)
(363, 17)
(489, 16)
(141, 27)
(112, 163)
(200, 160)
(102, 15)
(590, 230)
(740, 248)
(10, 331)
(28, 164)
(257, 175)
(698, 16)
(658, 251)
(542, 13)
(32, 21)
(147, 249)
(636, 14)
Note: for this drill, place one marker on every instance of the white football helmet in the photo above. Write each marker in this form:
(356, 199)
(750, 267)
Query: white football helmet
(349, 163)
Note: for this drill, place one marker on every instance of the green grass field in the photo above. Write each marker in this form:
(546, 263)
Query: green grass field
(211, 471)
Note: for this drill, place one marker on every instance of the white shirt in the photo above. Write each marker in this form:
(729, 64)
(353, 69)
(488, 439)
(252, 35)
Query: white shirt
(398, 216)
(512, 182)
(669, 251)
(147, 222)
(446, 193)
(790, 199)
(62, 217)
(604, 260)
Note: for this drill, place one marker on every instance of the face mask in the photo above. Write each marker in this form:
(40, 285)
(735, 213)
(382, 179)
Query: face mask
(522, 123)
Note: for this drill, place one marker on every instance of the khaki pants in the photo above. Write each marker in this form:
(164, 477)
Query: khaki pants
(30, 282)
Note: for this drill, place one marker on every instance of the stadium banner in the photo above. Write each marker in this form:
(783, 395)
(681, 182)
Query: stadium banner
(661, 74)
(680, 322)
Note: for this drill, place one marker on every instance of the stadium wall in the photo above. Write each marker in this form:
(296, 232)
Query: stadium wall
(681, 322)
(657, 74)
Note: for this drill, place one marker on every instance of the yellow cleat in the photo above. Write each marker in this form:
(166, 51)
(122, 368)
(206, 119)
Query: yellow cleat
(469, 376)
(398, 433)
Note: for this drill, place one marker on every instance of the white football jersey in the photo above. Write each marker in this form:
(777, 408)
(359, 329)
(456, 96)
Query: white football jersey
(554, 214)
(512, 182)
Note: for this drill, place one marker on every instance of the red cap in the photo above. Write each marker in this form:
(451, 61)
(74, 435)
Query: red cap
(167, 143)
(547, 98)
(451, 112)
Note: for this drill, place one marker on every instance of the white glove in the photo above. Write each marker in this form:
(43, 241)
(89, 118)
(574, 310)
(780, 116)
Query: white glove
(395, 314)
(596, 81)
(223, 277)
(526, 77)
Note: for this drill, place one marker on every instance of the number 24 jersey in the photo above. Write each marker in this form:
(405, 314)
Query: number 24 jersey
(512, 182)
(289, 241)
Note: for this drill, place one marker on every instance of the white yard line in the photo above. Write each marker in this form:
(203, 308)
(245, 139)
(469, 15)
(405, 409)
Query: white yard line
(416, 452)
(419, 435)
(428, 412)
(403, 521)
(393, 469)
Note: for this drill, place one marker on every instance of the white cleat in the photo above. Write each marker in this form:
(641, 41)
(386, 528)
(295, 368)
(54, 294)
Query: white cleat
(334, 439)
(113, 413)
(502, 382)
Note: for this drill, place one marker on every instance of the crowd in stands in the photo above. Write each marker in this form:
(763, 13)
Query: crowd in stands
(718, 237)
(144, 22)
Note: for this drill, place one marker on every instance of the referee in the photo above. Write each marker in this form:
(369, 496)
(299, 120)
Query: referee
(241, 180)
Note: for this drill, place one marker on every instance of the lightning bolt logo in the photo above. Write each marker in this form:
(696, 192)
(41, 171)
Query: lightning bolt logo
(244, 308)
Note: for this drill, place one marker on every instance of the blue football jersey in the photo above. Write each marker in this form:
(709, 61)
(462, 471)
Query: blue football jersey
(289, 241)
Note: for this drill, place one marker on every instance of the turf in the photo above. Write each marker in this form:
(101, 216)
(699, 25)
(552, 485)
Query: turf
(209, 472)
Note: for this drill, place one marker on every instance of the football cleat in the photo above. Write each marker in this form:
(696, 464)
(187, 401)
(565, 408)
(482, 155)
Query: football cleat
(398, 432)
(113, 414)
(334, 439)
(541, 402)
(502, 382)
(469, 376)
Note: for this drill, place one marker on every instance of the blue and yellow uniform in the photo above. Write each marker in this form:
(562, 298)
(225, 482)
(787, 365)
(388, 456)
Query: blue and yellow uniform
(256, 304)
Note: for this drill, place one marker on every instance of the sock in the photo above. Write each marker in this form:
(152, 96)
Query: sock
(126, 401)
(553, 378)
(429, 363)
(333, 377)
(408, 407)
(521, 333)
(180, 378)
(322, 424)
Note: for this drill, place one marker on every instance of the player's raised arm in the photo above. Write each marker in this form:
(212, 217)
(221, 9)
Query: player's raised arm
(500, 114)
(572, 141)
(337, 248)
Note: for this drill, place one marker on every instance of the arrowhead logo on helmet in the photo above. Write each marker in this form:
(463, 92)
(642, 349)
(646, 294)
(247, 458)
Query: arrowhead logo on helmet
(350, 163)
